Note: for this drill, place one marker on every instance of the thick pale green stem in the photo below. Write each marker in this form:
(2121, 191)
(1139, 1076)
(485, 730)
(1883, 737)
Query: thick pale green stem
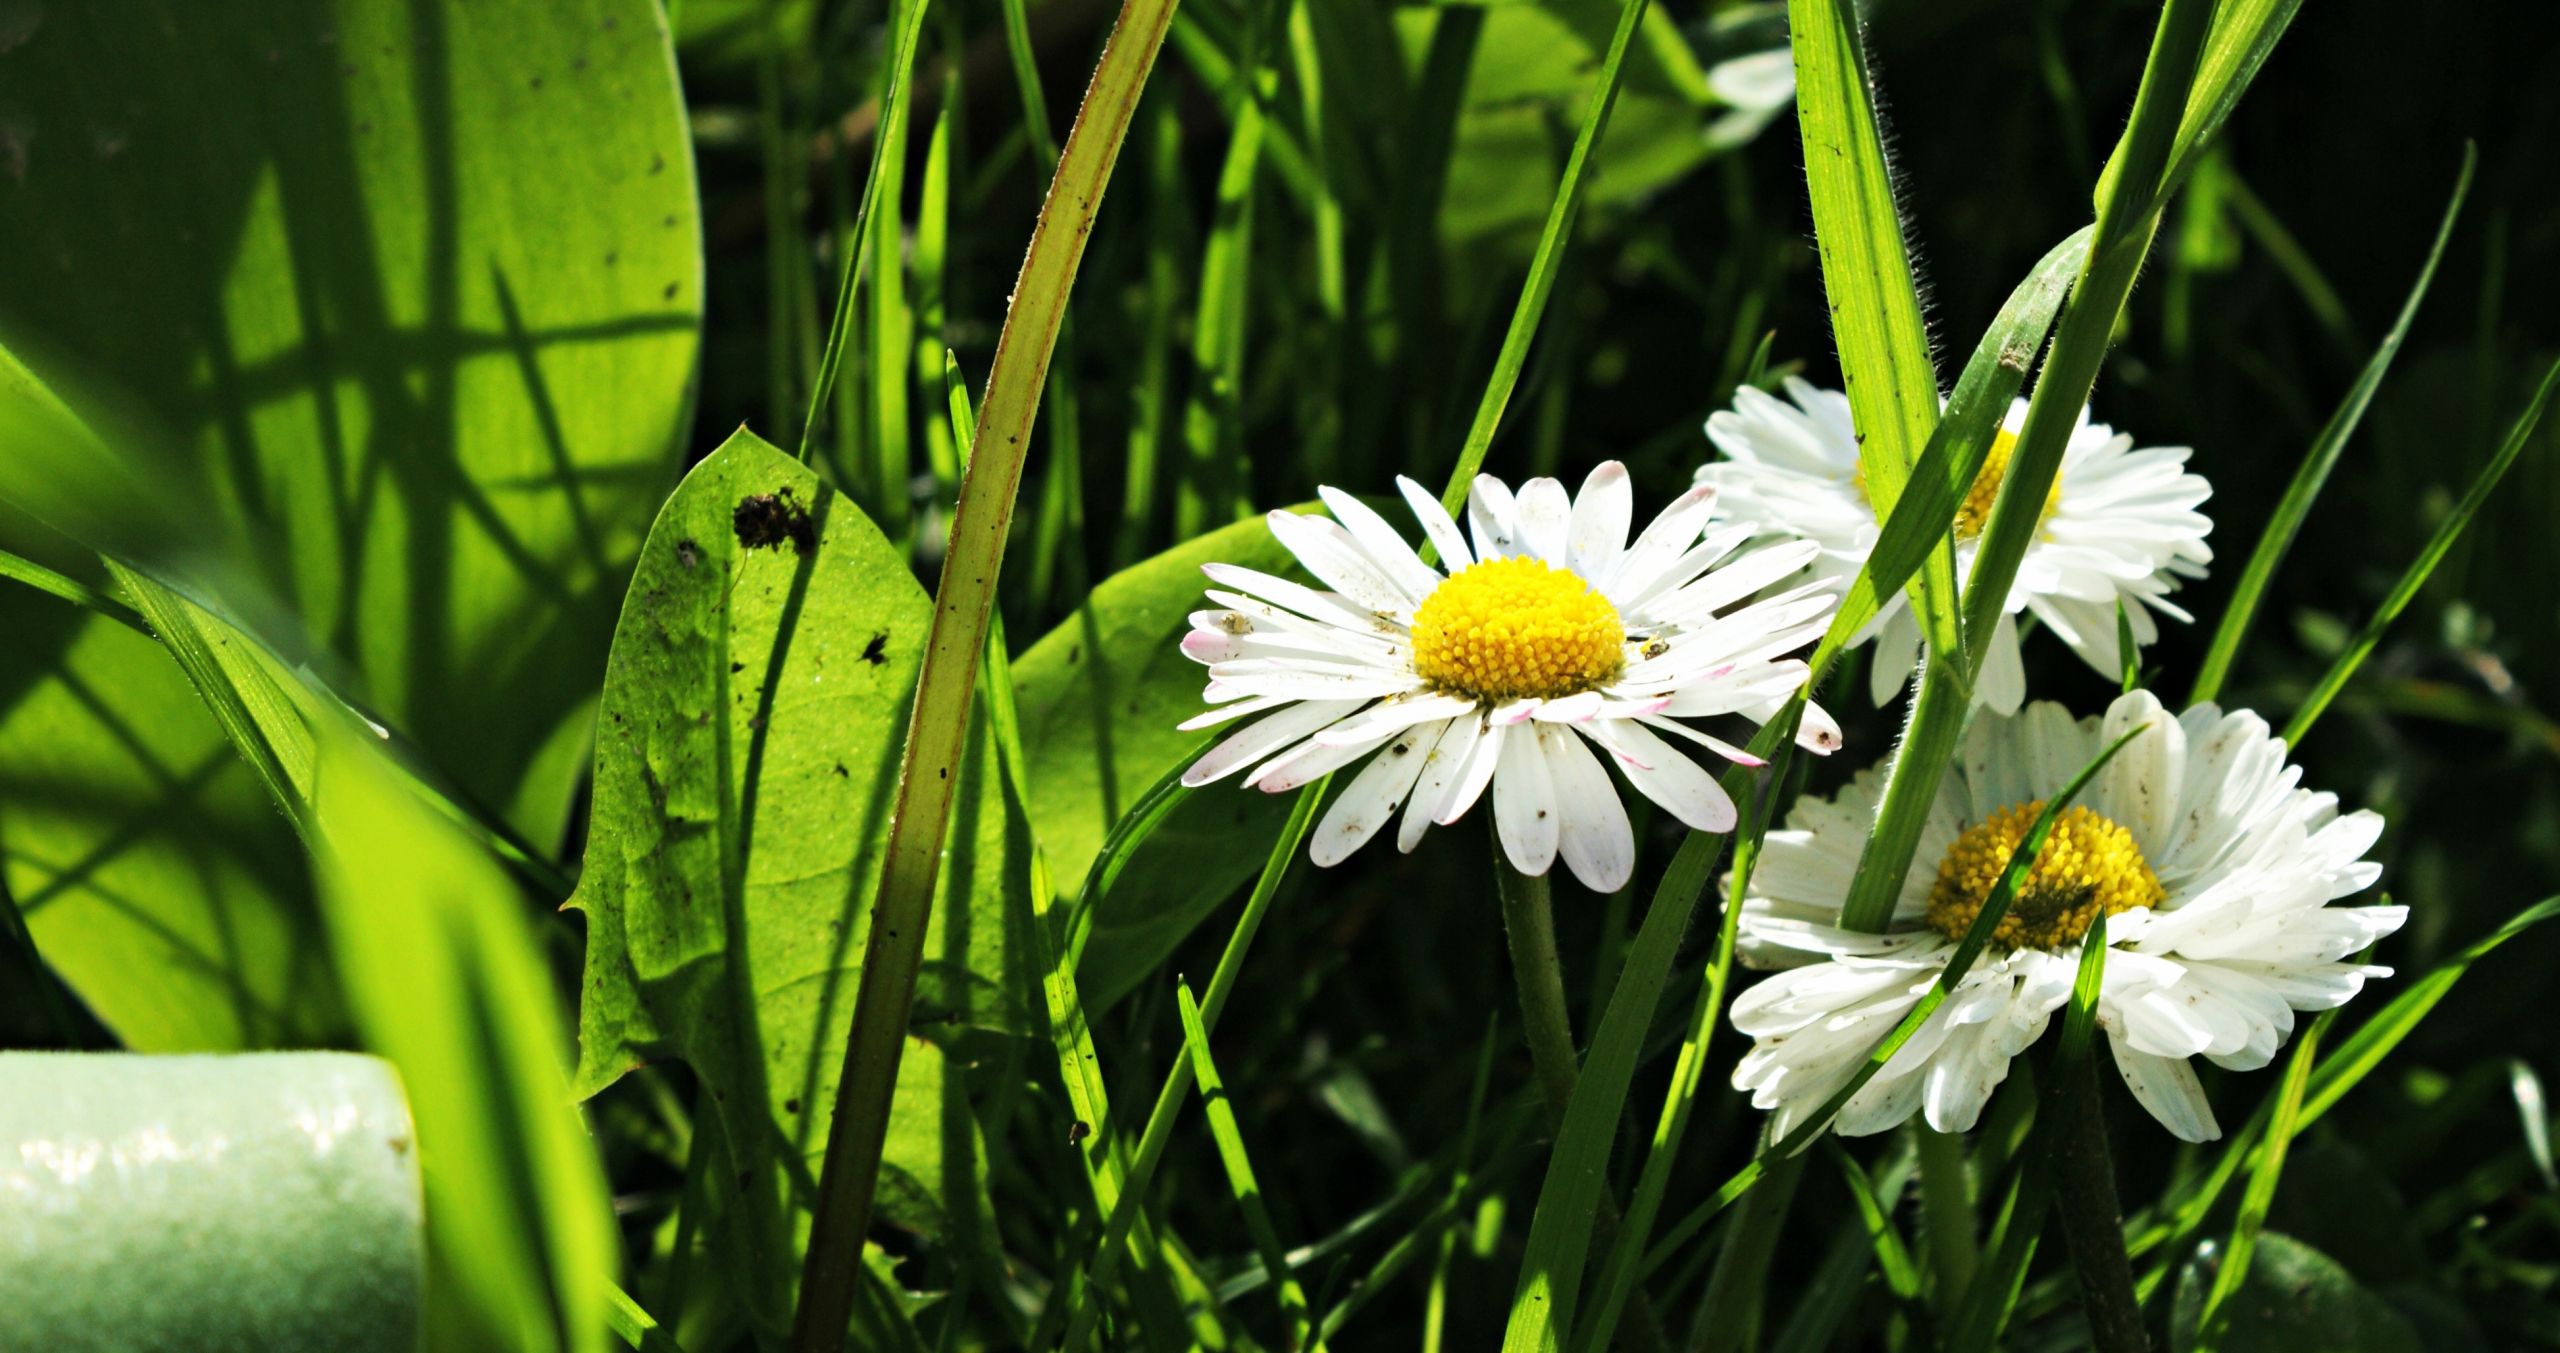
(1529, 924)
(937, 729)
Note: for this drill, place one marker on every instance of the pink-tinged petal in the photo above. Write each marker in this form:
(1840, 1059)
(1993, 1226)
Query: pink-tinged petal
(1261, 739)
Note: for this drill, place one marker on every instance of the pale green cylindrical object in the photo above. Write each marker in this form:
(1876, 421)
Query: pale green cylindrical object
(264, 1201)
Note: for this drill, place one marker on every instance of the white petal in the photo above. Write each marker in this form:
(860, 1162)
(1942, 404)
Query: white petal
(1440, 770)
(1473, 774)
(1544, 516)
(1524, 804)
(1601, 515)
(2139, 788)
(1265, 737)
(1381, 543)
(1387, 716)
(1370, 799)
(1594, 837)
(1490, 517)
(1327, 551)
(1680, 785)
(1897, 649)
(1664, 541)
(2002, 684)
(2167, 1087)
(1436, 524)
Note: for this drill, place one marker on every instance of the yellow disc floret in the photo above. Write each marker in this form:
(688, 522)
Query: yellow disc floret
(1507, 629)
(1975, 512)
(2088, 865)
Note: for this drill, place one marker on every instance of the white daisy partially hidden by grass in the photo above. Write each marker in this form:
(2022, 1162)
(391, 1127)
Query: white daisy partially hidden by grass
(2214, 868)
(2120, 526)
(1548, 636)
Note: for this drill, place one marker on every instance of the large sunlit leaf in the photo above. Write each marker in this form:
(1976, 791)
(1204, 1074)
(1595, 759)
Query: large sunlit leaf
(336, 307)
(448, 981)
(415, 312)
(744, 771)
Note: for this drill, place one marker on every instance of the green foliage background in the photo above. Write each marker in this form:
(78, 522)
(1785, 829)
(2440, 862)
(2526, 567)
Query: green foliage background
(381, 334)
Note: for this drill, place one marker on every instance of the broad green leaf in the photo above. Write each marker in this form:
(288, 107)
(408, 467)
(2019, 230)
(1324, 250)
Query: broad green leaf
(2295, 1297)
(1101, 696)
(449, 981)
(413, 316)
(156, 876)
(751, 730)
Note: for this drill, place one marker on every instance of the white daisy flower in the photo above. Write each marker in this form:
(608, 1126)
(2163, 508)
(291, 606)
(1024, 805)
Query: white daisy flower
(2120, 526)
(2215, 869)
(1549, 631)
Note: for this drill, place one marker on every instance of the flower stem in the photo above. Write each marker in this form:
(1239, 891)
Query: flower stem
(1946, 1211)
(1529, 923)
(2085, 1198)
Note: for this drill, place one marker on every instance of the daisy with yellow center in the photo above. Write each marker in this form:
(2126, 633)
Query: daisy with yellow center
(2214, 869)
(1550, 642)
(2119, 528)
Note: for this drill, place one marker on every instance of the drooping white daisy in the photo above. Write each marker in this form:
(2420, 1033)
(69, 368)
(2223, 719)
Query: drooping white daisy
(2120, 526)
(1549, 631)
(2215, 869)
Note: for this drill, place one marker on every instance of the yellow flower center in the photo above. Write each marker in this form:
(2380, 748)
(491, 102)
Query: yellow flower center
(2088, 865)
(1507, 629)
(1975, 512)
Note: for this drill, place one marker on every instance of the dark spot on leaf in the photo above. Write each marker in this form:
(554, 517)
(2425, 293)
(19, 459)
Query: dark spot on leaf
(399, 1146)
(1077, 1133)
(841, 772)
(791, 1105)
(688, 553)
(657, 164)
(765, 520)
(670, 292)
(737, 667)
(876, 652)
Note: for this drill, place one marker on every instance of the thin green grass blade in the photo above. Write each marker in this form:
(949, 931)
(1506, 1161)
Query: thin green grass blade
(1543, 264)
(932, 357)
(1995, 906)
(938, 727)
(1885, 364)
(2322, 457)
(1893, 1258)
(634, 1326)
(2438, 545)
(20, 569)
(893, 133)
(892, 322)
(1228, 1137)
(1122, 1212)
